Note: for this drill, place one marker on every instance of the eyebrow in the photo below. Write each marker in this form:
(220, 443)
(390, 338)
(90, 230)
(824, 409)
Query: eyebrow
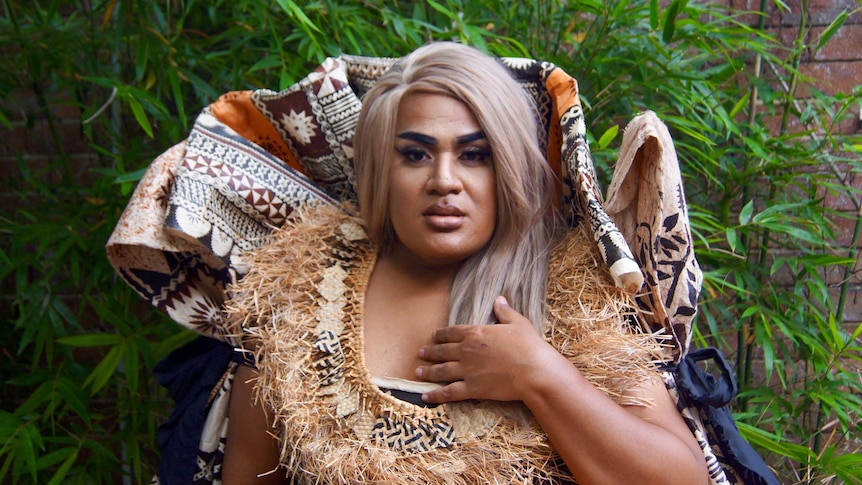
(431, 141)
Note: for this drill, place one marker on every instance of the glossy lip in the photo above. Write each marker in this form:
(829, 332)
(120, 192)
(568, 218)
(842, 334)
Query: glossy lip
(444, 217)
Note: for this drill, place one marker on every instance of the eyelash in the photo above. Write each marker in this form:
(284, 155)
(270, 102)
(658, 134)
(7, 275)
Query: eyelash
(477, 155)
(470, 155)
(410, 152)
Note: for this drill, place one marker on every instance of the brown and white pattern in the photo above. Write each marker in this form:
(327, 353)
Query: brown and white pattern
(647, 202)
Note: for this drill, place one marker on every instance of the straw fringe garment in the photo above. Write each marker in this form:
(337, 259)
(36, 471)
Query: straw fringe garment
(301, 309)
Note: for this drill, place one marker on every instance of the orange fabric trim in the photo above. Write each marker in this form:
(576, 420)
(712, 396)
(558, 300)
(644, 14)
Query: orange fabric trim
(563, 90)
(236, 110)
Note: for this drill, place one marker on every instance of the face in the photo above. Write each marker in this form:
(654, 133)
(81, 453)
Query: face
(442, 194)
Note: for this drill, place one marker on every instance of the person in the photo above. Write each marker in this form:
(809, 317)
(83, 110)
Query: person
(429, 339)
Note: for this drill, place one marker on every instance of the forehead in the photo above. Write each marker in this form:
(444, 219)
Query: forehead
(434, 113)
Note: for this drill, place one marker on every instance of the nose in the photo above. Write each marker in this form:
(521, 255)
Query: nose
(444, 178)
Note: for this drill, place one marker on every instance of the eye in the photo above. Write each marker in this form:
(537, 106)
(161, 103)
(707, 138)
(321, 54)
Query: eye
(476, 155)
(414, 154)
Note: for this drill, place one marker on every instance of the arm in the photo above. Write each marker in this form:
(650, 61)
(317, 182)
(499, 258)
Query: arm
(250, 448)
(600, 441)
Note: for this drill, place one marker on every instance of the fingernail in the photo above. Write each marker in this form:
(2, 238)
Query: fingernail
(502, 300)
(422, 352)
(418, 372)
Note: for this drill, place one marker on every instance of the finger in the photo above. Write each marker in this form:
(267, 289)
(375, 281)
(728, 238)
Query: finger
(456, 391)
(504, 313)
(448, 334)
(445, 372)
(440, 352)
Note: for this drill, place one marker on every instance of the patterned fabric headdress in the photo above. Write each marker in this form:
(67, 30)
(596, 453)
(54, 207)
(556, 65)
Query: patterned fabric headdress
(253, 157)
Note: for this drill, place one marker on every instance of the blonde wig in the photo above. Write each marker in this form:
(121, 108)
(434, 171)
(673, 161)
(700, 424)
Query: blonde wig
(515, 261)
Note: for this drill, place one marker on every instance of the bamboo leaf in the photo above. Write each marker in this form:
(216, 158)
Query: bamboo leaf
(732, 239)
(91, 340)
(140, 116)
(670, 22)
(63, 470)
(608, 136)
(74, 397)
(291, 8)
(746, 212)
(831, 29)
(29, 441)
(106, 368)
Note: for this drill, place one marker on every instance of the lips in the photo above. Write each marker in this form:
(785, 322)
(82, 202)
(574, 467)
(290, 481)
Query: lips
(443, 210)
(444, 217)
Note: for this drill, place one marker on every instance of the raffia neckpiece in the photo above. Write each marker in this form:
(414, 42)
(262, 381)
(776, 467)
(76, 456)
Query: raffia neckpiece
(300, 309)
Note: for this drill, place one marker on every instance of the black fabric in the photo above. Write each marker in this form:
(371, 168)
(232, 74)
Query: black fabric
(710, 396)
(189, 374)
(414, 398)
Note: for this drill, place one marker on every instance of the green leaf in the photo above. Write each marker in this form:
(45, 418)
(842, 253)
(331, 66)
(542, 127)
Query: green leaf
(75, 397)
(60, 474)
(653, 14)
(106, 369)
(29, 441)
(732, 239)
(140, 116)
(670, 22)
(91, 340)
(133, 176)
(740, 104)
(54, 457)
(270, 61)
(291, 8)
(831, 29)
(745, 213)
(5, 121)
(608, 136)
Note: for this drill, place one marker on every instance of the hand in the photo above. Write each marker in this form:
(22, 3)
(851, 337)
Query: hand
(494, 362)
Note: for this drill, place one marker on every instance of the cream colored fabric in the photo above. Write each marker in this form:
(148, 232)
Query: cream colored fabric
(647, 202)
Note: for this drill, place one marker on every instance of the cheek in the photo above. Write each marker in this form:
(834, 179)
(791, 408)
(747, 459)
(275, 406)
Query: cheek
(402, 197)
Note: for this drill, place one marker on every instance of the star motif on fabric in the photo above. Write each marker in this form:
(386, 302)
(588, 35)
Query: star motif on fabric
(299, 125)
(518, 62)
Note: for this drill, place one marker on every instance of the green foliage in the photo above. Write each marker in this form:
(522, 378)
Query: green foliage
(79, 347)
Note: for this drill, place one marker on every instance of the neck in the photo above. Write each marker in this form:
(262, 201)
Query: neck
(411, 273)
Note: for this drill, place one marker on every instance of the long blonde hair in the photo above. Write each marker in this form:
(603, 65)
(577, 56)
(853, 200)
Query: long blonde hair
(514, 263)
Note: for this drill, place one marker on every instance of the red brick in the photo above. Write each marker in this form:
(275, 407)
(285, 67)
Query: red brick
(72, 138)
(81, 166)
(835, 275)
(831, 77)
(21, 102)
(753, 6)
(66, 110)
(794, 125)
(847, 125)
(852, 305)
(13, 140)
(842, 46)
(820, 12)
(845, 45)
(841, 200)
(844, 225)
